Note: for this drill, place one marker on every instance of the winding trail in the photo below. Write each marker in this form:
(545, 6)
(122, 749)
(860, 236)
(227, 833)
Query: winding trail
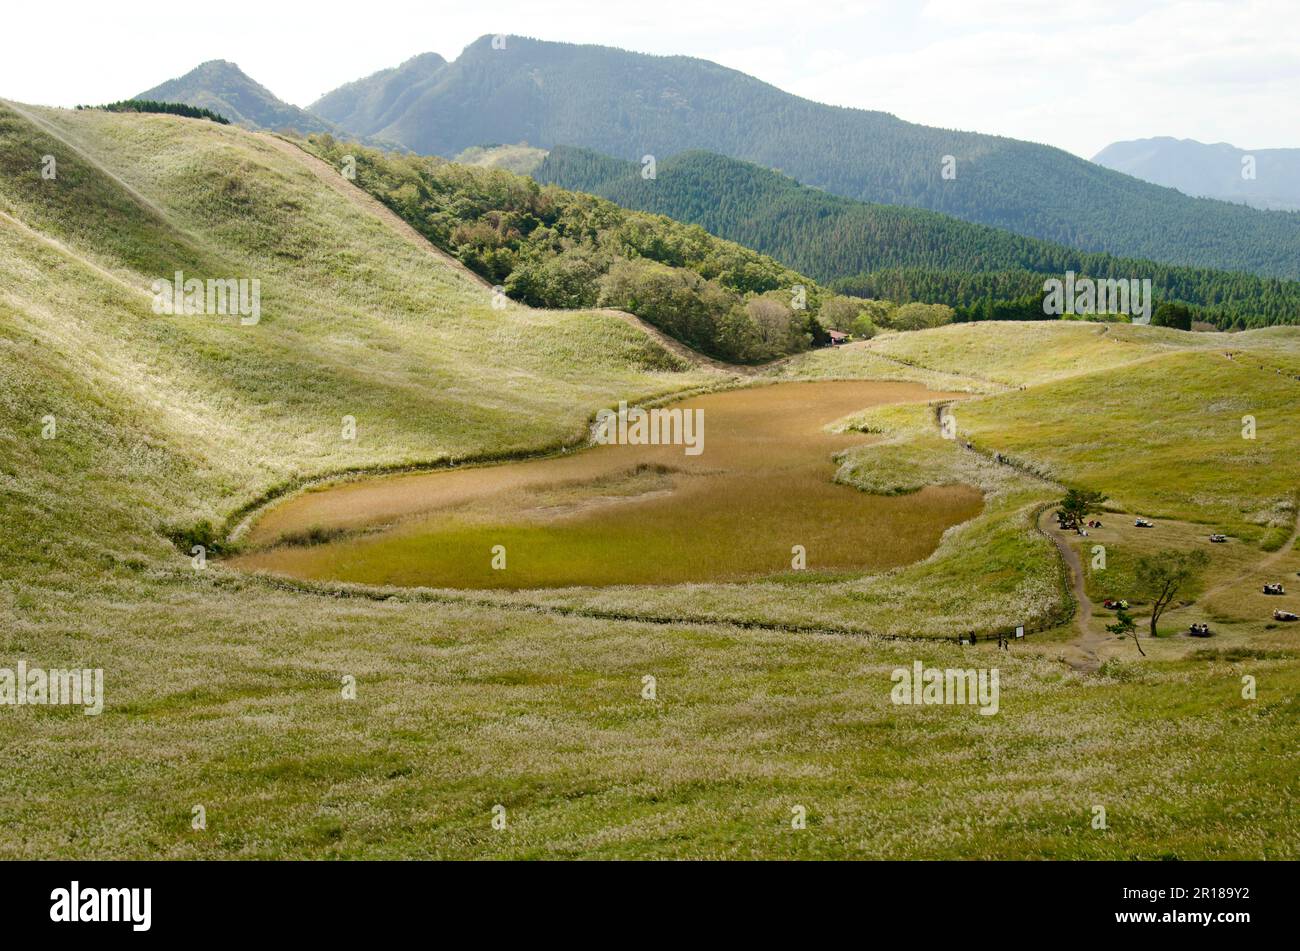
(1082, 651)
(1267, 562)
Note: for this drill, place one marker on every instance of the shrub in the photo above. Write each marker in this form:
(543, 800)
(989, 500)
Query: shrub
(200, 533)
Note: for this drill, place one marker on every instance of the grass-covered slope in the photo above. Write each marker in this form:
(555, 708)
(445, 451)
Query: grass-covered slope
(357, 320)
(223, 691)
(1165, 437)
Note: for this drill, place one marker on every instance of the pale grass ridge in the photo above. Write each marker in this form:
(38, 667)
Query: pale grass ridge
(223, 689)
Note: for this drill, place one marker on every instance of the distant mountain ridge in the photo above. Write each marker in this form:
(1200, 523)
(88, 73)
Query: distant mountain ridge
(887, 250)
(373, 102)
(226, 89)
(631, 104)
(1211, 171)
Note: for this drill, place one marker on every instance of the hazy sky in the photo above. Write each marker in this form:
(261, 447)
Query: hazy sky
(1078, 75)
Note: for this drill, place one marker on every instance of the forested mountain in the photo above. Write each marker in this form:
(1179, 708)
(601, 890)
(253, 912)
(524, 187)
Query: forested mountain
(225, 89)
(549, 247)
(1214, 171)
(631, 105)
(371, 102)
(903, 254)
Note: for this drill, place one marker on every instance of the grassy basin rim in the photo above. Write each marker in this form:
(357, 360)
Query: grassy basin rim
(242, 518)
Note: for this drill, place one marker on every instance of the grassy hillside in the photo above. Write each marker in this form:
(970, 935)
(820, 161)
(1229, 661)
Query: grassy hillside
(1154, 417)
(223, 689)
(899, 253)
(630, 105)
(414, 350)
(1165, 450)
(550, 247)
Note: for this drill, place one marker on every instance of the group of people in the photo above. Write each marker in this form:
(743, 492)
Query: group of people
(1199, 630)
(1004, 640)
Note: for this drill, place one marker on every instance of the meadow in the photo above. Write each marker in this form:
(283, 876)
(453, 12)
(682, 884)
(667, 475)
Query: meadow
(227, 689)
(760, 485)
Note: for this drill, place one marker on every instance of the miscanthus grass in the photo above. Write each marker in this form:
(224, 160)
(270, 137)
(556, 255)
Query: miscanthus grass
(226, 692)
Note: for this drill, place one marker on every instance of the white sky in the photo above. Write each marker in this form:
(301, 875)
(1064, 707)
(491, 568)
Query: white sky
(1074, 74)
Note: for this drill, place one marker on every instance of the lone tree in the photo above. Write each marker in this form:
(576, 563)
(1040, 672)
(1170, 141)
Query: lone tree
(1078, 504)
(1125, 626)
(1162, 575)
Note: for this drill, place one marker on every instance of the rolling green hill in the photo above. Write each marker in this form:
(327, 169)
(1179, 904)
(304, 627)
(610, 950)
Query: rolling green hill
(629, 105)
(889, 251)
(122, 429)
(415, 351)
(551, 247)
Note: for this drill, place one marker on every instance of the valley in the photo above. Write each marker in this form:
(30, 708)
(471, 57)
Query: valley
(131, 438)
(622, 514)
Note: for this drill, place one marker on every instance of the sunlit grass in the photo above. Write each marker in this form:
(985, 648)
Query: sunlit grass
(223, 690)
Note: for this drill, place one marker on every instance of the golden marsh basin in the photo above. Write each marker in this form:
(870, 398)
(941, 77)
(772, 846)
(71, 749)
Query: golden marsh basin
(627, 514)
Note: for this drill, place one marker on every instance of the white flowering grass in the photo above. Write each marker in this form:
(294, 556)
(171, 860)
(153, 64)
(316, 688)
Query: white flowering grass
(224, 690)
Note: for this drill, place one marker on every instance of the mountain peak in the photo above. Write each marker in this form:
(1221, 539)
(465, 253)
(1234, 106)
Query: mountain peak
(364, 106)
(1263, 178)
(220, 64)
(223, 87)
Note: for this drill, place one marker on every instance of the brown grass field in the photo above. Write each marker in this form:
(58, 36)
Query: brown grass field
(224, 686)
(629, 514)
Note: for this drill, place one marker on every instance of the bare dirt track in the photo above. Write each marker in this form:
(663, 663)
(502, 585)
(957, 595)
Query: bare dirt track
(1082, 651)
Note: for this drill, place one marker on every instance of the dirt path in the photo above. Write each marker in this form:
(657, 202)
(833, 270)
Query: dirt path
(1081, 653)
(1267, 562)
